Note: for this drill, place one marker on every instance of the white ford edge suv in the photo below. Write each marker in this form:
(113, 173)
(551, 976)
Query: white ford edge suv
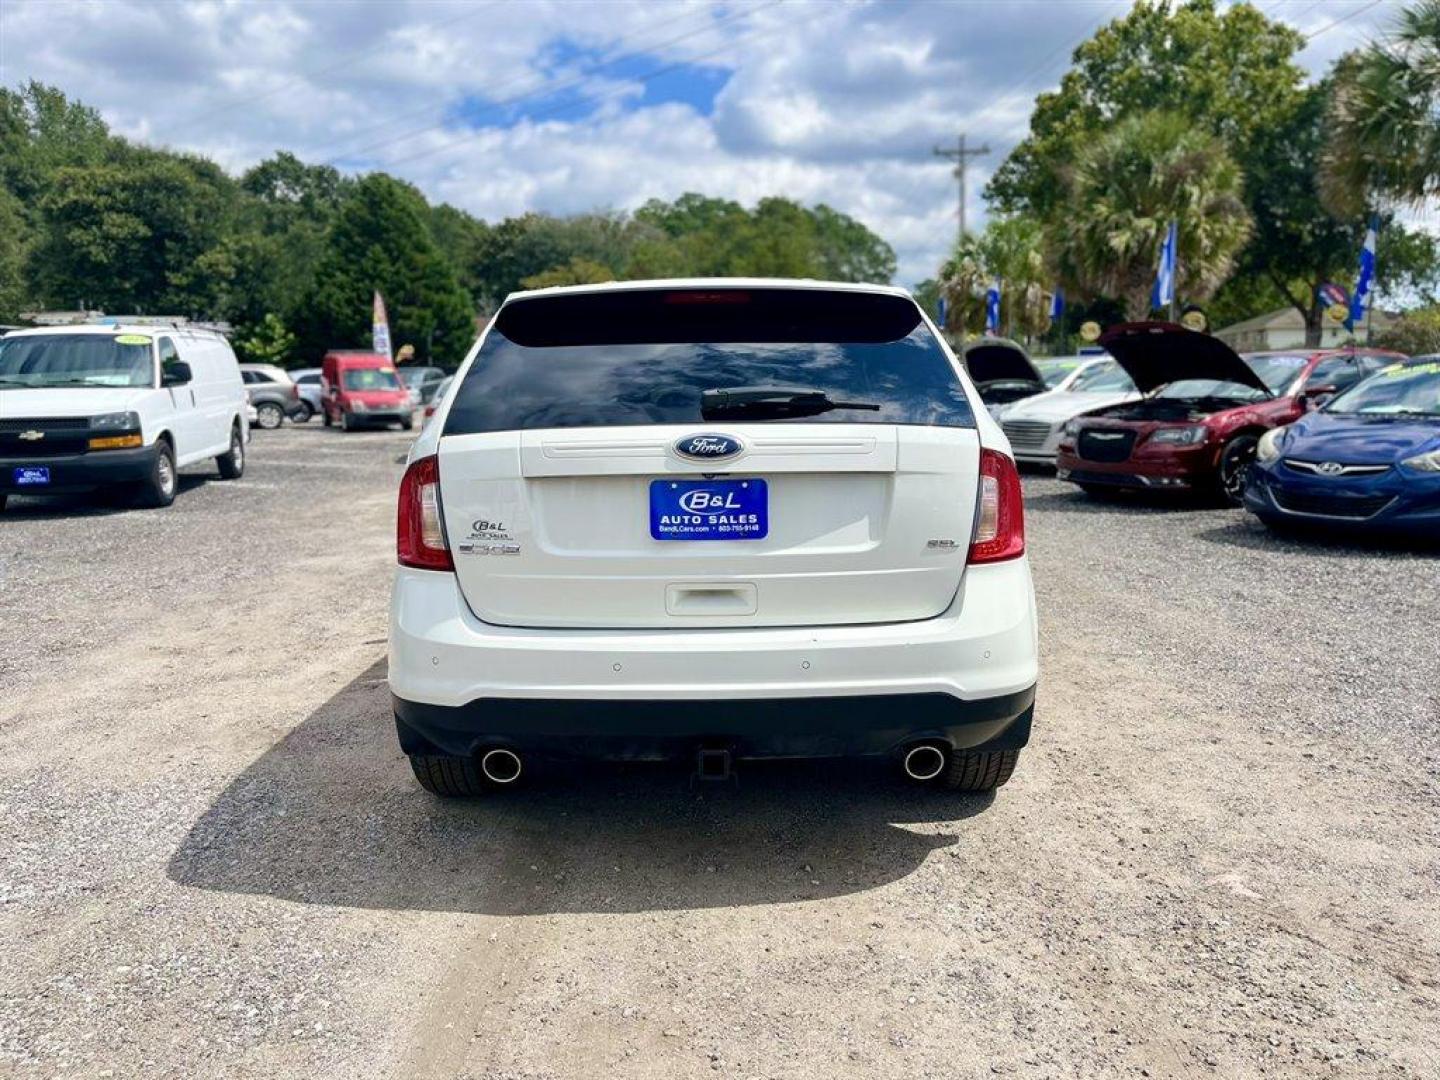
(711, 520)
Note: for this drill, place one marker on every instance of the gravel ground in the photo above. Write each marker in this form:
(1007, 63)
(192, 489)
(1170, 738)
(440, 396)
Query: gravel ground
(1217, 859)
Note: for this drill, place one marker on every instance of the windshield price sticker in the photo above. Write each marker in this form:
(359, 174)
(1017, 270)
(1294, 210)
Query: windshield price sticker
(132, 339)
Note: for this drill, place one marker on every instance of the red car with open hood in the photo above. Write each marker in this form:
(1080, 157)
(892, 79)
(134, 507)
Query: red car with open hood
(1204, 410)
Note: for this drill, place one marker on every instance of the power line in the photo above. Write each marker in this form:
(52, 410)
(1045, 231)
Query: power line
(1066, 47)
(546, 89)
(1344, 18)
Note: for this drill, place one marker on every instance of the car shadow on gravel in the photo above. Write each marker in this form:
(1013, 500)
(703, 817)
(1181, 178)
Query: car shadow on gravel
(332, 815)
(1139, 502)
(1251, 534)
(85, 504)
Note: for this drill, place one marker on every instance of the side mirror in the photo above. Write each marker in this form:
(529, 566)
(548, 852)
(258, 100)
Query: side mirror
(176, 373)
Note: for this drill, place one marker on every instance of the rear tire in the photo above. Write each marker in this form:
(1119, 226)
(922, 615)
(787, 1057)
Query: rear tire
(158, 489)
(269, 415)
(448, 777)
(408, 423)
(979, 771)
(232, 463)
(303, 412)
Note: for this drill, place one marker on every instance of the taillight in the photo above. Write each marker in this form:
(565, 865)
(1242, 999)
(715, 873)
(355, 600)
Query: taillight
(1000, 525)
(419, 534)
(295, 391)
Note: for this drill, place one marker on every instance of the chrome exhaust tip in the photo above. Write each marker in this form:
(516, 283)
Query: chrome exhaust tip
(500, 766)
(924, 762)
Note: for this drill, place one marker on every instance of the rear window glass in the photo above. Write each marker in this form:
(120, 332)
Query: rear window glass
(647, 357)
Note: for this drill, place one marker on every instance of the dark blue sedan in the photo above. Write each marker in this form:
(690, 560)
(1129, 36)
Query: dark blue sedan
(1368, 460)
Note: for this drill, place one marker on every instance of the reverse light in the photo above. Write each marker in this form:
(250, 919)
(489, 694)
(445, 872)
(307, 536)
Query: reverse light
(419, 532)
(1000, 524)
(1269, 447)
(1424, 462)
(1181, 436)
(117, 442)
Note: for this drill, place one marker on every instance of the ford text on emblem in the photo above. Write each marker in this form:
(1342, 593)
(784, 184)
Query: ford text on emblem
(708, 447)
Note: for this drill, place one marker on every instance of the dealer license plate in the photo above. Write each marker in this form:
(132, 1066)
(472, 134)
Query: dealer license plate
(709, 509)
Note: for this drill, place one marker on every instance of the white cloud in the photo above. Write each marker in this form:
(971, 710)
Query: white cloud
(838, 101)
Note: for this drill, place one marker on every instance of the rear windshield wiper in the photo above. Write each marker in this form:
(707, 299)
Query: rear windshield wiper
(771, 403)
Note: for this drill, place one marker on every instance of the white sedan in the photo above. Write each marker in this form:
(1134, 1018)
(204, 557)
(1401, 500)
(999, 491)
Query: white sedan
(1033, 424)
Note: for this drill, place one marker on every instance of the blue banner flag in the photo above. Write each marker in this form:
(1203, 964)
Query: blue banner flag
(992, 308)
(1057, 305)
(1163, 294)
(1360, 298)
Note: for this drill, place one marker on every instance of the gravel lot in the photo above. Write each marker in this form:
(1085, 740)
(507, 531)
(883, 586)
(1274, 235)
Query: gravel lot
(1218, 858)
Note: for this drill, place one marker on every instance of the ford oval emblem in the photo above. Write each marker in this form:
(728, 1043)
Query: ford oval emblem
(708, 447)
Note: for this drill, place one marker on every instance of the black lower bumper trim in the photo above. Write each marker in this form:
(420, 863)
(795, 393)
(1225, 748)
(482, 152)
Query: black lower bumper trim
(748, 728)
(71, 472)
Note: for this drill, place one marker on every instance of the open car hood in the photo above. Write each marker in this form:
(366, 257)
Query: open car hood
(1156, 353)
(993, 359)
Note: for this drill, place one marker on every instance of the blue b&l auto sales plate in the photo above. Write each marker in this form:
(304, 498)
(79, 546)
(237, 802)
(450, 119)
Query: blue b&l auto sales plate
(31, 476)
(709, 509)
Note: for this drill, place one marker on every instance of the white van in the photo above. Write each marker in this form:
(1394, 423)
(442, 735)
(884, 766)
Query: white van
(118, 408)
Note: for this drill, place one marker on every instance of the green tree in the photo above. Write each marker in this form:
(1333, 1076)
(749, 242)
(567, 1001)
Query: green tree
(14, 251)
(1232, 72)
(380, 240)
(1297, 245)
(577, 271)
(1126, 189)
(268, 342)
(1384, 122)
(42, 131)
(963, 280)
(128, 236)
(1012, 251)
(849, 251)
(459, 236)
(1415, 333)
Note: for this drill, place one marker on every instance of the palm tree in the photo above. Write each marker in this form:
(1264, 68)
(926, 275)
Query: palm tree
(1011, 249)
(1126, 188)
(1385, 118)
(963, 280)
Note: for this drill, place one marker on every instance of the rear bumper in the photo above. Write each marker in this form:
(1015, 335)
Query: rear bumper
(966, 677)
(77, 472)
(749, 727)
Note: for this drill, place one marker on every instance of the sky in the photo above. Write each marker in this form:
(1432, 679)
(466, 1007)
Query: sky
(504, 106)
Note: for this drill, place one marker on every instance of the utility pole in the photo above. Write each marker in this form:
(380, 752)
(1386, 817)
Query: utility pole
(961, 155)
